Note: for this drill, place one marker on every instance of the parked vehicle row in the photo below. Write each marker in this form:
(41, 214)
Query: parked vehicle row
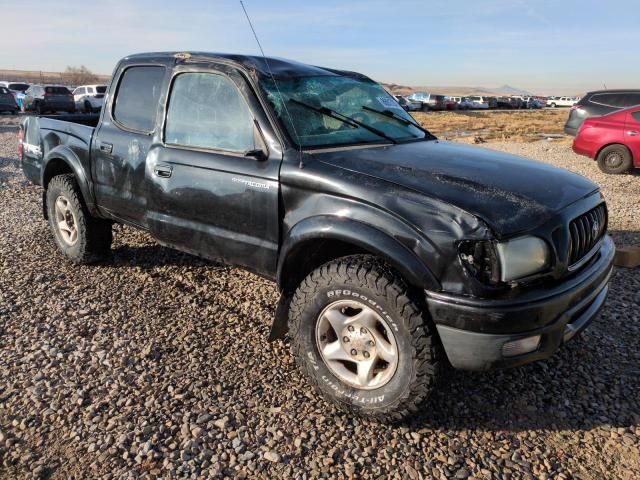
(50, 98)
(423, 101)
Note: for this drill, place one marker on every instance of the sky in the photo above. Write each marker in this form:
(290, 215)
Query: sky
(544, 46)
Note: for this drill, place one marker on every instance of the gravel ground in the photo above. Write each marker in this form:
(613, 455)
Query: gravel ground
(157, 364)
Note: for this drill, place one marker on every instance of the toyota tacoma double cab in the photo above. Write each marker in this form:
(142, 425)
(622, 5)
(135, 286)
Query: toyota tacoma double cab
(396, 254)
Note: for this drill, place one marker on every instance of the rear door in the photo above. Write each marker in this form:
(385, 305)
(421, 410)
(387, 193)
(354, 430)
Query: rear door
(632, 135)
(123, 141)
(207, 196)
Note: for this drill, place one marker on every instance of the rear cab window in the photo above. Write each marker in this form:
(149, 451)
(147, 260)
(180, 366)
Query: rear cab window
(137, 98)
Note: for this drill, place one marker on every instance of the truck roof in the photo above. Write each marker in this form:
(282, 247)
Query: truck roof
(280, 67)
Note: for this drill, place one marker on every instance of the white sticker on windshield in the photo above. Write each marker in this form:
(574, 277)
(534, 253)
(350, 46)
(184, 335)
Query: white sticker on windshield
(388, 102)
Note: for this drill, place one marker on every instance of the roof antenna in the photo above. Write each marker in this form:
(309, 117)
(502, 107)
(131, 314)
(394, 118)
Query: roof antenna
(284, 105)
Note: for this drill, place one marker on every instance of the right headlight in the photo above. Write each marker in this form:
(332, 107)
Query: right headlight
(494, 262)
(522, 257)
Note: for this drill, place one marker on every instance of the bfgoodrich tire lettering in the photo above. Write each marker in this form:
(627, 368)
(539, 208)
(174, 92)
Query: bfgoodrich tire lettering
(93, 236)
(365, 279)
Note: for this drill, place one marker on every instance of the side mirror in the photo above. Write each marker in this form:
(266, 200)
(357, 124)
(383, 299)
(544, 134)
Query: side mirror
(260, 150)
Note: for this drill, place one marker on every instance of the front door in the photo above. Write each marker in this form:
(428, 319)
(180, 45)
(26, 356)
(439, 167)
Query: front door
(209, 193)
(123, 141)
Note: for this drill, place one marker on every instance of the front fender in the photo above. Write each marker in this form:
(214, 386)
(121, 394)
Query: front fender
(50, 168)
(363, 236)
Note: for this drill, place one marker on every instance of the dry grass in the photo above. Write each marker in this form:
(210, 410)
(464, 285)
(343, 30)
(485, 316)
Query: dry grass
(516, 126)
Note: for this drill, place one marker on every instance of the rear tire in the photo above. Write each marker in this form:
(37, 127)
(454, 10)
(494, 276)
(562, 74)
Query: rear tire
(615, 159)
(82, 238)
(390, 331)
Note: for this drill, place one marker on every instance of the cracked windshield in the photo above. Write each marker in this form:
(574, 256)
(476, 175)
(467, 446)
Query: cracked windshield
(322, 111)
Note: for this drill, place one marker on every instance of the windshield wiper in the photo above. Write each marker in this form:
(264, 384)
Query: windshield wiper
(345, 119)
(395, 116)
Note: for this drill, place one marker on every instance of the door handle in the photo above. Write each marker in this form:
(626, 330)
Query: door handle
(105, 147)
(163, 171)
(632, 133)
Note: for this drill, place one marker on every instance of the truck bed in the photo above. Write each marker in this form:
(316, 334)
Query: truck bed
(44, 133)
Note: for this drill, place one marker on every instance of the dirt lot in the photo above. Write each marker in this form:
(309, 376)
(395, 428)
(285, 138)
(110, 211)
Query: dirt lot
(156, 363)
(497, 125)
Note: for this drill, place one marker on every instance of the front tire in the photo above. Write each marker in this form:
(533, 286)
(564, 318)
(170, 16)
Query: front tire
(82, 238)
(360, 335)
(615, 159)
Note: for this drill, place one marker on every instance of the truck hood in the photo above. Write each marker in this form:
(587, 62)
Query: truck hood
(511, 194)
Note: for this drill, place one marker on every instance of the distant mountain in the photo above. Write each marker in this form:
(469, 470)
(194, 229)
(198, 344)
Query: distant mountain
(509, 90)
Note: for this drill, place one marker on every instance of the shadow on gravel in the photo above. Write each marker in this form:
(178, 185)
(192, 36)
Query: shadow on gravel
(151, 256)
(8, 129)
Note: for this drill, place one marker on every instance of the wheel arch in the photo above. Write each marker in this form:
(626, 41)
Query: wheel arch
(319, 239)
(611, 144)
(61, 160)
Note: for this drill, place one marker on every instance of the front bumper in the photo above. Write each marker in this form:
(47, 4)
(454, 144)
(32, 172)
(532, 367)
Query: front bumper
(474, 331)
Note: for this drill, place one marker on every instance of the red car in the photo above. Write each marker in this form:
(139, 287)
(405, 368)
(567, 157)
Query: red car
(613, 140)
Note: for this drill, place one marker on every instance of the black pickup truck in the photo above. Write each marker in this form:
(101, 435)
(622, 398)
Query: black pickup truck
(396, 254)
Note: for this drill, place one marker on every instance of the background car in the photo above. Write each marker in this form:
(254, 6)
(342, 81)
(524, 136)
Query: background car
(89, 98)
(423, 98)
(554, 102)
(7, 101)
(503, 103)
(450, 103)
(17, 89)
(408, 105)
(480, 102)
(49, 98)
(613, 140)
(599, 102)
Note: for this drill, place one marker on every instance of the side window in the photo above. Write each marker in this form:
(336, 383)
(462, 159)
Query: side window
(137, 97)
(80, 91)
(207, 111)
(90, 90)
(632, 99)
(636, 116)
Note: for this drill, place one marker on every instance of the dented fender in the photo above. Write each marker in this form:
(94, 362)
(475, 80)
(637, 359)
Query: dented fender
(367, 237)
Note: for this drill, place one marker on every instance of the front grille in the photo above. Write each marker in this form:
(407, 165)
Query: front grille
(586, 231)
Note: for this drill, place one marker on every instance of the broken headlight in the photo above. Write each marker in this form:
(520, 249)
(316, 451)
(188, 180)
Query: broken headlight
(480, 259)
(495, 262)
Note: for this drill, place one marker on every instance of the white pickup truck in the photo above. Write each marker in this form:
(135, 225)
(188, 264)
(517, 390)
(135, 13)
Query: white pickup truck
(561, 101)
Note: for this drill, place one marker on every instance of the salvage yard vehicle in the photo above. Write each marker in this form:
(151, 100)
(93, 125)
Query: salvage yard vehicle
(597, 103)
(7, 101)
(554, 102)
(395, 253)
(612, 140)
(89, 98)
(49, 98)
